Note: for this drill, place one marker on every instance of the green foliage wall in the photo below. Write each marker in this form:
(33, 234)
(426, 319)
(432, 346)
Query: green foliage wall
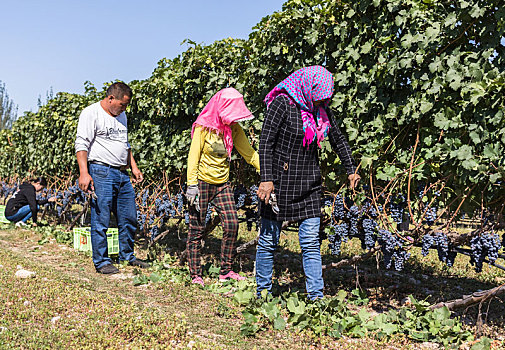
(426, 69)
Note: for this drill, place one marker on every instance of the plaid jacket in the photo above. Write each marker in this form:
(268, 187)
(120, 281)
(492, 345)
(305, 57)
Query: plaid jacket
(294, 168)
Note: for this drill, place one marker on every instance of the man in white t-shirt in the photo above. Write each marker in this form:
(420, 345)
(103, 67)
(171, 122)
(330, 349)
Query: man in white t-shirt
(104, 154)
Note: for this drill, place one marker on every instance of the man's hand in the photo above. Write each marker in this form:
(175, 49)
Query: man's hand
(137, 175)
(52, 199)
(354, 180)
(264, 191)
(86, 183)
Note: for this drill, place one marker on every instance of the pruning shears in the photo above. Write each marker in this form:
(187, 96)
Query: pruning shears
(92, 194)
(273, 202)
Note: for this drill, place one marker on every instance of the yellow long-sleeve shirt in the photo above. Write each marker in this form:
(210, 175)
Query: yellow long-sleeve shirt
(208, 160)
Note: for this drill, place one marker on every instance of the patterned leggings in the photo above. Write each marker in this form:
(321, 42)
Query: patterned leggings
(222, 199)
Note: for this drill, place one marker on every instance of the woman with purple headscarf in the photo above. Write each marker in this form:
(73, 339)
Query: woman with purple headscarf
(296, 121)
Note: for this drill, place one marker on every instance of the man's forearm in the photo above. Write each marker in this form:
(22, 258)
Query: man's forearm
(82, 161)
(131, 160)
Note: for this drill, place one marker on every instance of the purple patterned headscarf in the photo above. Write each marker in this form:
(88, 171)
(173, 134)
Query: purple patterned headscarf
(303, 87)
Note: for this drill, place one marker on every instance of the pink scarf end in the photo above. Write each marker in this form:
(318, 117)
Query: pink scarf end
(308, 137)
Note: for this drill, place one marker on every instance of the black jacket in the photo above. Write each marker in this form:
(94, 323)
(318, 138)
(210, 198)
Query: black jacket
(25, 195)
(294, 168)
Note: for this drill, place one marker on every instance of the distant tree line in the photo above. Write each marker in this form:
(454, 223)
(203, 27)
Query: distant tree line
(8, 110)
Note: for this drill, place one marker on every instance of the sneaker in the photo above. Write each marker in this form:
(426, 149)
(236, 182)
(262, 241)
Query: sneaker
(231, 275)
(20, 224)
(198, 280)
(108, 269)
(139, 263)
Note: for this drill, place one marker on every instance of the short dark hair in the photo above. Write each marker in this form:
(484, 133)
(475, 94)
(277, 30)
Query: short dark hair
(119, 90)
(40, 180)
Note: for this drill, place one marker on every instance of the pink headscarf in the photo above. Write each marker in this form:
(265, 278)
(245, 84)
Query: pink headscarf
(304, 87)
(224, 108)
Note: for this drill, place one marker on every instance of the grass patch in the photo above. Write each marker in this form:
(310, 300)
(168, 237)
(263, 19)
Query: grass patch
(57, 311)
(165, 311)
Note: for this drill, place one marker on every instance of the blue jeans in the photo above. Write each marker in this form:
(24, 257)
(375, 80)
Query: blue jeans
(308, 235)
(23, 214)
(114, 193)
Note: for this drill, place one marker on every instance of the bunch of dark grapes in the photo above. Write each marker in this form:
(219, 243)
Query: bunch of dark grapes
(6, 190)
(369, 209)
(64, 198)
(440, 241)
(144, 197)
(44, 194)
(208, 214)
(253, 194)
(165, 207)
(428, 242)
(485, 245)
(431, 215)
(170, 209)
(370, 237)
(180, 201)
(59, 198)
(338, 208)
(339, 235)
(400, 257)
(241, 200)
(3, 189)
(162, 204)
(49, 194)
(141, 219)
(420, 191)
(78, 195)
(354, 216)
(154, 232)
(396, 208)
(240, 194)
(392, 250)
(351, 221)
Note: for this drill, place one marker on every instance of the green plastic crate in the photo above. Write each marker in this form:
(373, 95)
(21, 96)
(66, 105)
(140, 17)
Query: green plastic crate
(2, 215)
(82, 240)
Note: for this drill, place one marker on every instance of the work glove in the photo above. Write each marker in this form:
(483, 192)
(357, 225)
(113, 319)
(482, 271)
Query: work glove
(192, 196)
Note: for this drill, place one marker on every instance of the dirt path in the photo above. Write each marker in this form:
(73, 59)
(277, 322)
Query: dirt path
(97, 311)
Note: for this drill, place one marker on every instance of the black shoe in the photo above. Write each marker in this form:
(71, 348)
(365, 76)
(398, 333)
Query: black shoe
(108, 269)
(139, 263)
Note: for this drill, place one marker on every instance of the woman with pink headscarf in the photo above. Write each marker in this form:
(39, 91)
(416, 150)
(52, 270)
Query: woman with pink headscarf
(296, 121)
(214, 133)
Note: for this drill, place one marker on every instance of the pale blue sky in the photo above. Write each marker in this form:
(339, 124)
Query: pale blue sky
(63, 43)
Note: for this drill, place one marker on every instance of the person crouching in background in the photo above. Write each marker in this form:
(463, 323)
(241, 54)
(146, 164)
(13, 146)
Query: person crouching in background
(24, 205)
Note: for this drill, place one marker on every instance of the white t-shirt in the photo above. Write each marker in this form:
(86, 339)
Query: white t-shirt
(103, 136)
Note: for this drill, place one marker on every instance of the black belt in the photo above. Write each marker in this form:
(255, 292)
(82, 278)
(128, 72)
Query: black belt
(122, 167)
